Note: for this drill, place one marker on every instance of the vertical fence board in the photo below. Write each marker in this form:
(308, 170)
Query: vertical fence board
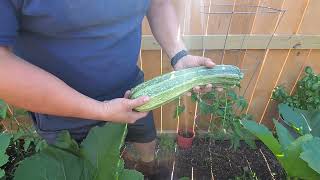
(314, 61)
(242, 23)
(250, 66)
(292, 17)
(311, 23)
(266, 22)
(266, 82)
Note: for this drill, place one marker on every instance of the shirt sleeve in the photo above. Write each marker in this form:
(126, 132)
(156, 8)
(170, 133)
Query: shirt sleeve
(8, 23)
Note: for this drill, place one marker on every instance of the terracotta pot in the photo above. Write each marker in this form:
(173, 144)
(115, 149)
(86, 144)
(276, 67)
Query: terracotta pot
(183, 141)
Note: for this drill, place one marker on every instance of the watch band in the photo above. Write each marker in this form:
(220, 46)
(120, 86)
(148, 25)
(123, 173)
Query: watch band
(178, 56)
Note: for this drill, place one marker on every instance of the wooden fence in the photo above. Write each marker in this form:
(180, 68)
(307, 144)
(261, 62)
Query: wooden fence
(294, 44)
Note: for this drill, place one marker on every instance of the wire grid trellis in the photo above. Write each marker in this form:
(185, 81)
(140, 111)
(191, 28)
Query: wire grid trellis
(227, 12)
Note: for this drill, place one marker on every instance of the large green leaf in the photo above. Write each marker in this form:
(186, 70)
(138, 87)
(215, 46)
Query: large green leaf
(264, 135)
(304, 121)
(3, 109)
(311, 153)
(98, 158)
(293, 164)
(101, 148)
(295, 118)
(4, 143)
(284, 135)
(314, 123)
(54, 164)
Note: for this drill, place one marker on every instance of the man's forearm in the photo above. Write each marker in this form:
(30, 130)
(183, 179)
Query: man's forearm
(34, 89)
(165, 27)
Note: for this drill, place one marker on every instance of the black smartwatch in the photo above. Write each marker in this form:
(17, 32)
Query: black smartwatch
(178, 56)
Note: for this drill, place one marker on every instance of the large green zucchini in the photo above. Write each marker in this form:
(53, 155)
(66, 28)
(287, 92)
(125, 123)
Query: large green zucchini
(168, 87)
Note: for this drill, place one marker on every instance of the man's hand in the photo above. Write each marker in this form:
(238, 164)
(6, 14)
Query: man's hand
(194, 61)
(121, 109)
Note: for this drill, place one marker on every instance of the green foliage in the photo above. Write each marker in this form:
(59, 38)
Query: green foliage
(226, 109)
(179, 110)
(184, 178)
(264, 135)
(166, 144)
(307, 95)
(3, 109)
(4, 143)
(310, 149)
(97, 158)
(288, 150)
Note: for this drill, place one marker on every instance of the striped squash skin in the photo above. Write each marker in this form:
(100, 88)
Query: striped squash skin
(164, 89)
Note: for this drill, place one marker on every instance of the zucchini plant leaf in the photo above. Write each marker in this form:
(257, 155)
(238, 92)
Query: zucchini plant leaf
(294, 118)
(293, 164)
(4, 143)
(314, 123)
(53, 163)
(97, 158)
(3, 109)
(284, 135)
(204, 108)
(130, 174)
(65, 142)
(264, 135)
(102, 149)
(311, 153)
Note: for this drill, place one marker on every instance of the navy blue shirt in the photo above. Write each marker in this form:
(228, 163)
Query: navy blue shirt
(92, 45)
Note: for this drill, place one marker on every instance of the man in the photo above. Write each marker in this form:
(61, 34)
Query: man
(72, 62)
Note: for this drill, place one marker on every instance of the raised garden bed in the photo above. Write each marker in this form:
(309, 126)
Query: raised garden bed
(227, 163)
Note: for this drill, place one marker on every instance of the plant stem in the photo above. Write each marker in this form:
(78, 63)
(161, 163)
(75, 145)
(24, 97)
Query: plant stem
(122, 141)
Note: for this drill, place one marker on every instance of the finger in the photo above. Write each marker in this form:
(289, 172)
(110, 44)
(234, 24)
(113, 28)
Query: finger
(220, 89)
(207, 88)
(196, 89)
(127, 94)
(138, 102)
(203, 61)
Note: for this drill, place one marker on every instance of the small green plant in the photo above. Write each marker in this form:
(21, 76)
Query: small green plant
(184, 178)
(226, 109)
(299, 156)
(166, 143)
(16, 144)
(247, 175)
(306, 96)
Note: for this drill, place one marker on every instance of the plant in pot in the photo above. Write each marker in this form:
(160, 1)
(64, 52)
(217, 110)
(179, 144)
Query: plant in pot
(185, 135)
